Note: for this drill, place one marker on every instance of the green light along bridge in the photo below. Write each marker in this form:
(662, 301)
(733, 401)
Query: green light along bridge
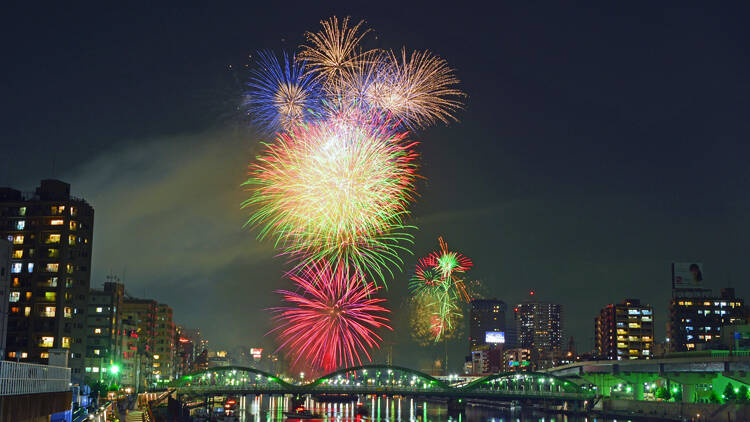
(383, 380)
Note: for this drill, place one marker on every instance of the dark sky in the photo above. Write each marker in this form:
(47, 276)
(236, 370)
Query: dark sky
(598, 144)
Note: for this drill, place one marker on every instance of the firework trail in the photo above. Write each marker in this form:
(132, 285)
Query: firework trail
(336, 189)
(282, 95)
(331, 319)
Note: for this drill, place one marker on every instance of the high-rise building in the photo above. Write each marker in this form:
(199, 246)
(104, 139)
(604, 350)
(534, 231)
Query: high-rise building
(130, 363)
(5, 249)
(487, 323)
(184, 353)
(696, 320)
(164, 346)
(199, 344)
(104, 329)
(51, 235)
(625, 331)
(141, 314)
(539, 328)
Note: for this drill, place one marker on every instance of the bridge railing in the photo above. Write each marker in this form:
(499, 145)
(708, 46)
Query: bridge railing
(397, 390)
(27, 378)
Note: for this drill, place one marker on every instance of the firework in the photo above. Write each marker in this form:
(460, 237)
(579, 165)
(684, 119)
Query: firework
(336, 189)
(282, 95)
(438, 289)
(430, 323)
(331, 318)
(334, 51)
(417, 88)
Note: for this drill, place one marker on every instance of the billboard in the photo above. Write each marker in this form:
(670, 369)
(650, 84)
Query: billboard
(494, 337)
(256, 353)
(687, 275)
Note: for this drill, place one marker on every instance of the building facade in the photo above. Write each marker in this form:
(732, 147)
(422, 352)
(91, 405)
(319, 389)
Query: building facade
(139, 316)
(164, 344)
(517, 359)
(625, 331)
(696, 321)
(486, 323)
(104, 330)
(539, 327)
(51, 235)
(5, 251)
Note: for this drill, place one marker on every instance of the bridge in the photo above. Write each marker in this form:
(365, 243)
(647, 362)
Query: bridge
(383, 380)
(692, 376)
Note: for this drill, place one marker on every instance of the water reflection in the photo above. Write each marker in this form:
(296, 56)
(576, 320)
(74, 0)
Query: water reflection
(272, 408)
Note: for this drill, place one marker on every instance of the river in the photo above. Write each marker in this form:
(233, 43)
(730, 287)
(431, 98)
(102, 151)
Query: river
(268, 409)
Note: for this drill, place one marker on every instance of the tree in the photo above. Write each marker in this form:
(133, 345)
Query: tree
(713, 398)
(663, 393)
(742, 396)
(729, 393)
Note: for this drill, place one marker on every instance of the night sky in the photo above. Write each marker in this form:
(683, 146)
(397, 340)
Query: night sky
(597, 146)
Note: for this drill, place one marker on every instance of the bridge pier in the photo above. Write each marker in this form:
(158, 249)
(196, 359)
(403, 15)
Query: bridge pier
(456, 406)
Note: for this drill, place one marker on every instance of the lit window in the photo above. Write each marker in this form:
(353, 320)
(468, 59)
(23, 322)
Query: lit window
(98, 309)
(16, 282)
(634, 325)
(48, 311)
(15, 296)
(73, 225)
(646, 352)
(11, 354)
(71, 239)
(68, 312)
(97, 352)
(96, 368)
(73, 211)
(97, 330)
(16, 267)
(52, 282)
(18, 239)
(53, 267)
(20, 224)
(22, 211)
(66, 342)
(50, 296)
(69, 268)
(53, 238)
(30, 267)
(53, 253)
(56, 222)
(46, 341)
(27, 311)
(18, 254)
(24, 355)
(68, 282)
(44, 355)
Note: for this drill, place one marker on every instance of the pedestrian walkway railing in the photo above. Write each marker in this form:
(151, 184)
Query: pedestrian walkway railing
(27, 378)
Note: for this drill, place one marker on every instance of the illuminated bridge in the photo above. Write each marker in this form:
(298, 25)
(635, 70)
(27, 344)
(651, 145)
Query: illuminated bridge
(382, 380)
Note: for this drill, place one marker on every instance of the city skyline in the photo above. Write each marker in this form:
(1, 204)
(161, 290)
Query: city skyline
(182, 192)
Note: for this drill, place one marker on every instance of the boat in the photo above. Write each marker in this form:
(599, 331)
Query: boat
(301, 413)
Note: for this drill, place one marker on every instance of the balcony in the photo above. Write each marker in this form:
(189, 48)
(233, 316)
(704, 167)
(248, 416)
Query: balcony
(27, 378)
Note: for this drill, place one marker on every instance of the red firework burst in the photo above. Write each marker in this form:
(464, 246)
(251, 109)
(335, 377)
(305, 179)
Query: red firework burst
(331, 318)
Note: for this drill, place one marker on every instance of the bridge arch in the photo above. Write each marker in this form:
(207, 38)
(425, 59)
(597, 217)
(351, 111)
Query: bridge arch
(524, 381)
(380, 376)
(230, 376)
